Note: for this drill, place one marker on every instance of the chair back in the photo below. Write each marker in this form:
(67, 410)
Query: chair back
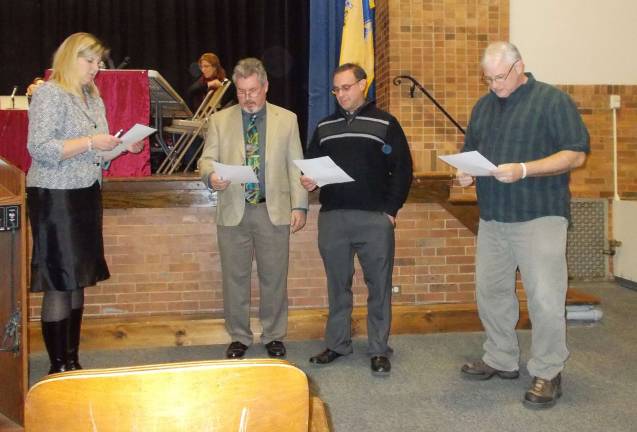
(190, 129)
(211, 102)
(221, 395)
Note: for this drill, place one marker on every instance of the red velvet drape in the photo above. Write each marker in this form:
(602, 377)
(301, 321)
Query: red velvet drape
(126, 96)
(14, 126)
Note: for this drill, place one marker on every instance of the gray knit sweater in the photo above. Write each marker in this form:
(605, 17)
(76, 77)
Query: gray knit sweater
(56, 115)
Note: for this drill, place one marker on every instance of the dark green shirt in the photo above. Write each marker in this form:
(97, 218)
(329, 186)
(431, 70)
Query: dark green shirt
(535, 121)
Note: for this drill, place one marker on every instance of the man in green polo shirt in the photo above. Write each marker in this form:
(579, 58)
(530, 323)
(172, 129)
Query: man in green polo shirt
(534, 134)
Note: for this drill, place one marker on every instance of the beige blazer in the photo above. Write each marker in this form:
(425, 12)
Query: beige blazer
(225, 143)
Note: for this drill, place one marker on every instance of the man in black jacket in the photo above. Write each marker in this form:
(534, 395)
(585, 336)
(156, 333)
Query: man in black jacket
(359, 217)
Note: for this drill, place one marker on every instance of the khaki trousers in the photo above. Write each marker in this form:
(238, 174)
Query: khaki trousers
(269, 244)
(538, 248)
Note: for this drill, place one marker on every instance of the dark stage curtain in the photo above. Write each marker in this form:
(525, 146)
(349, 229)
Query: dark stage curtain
(165, 35)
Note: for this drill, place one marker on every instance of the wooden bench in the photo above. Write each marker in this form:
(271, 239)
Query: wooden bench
(216, 395)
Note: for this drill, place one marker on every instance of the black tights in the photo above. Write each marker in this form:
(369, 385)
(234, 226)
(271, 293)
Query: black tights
(57, 305)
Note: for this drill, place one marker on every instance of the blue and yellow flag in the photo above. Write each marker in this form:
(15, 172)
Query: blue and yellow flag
(357, 43)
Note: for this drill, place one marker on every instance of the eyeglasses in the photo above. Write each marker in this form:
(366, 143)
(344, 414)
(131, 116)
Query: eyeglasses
(344, 87)
(499, 78)
(248, 93)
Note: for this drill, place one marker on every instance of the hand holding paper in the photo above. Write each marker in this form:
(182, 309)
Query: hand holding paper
(235, 173)
(323, 171)
(135, 134)
(472, 163)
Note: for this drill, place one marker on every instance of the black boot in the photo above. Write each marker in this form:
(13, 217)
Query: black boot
(55, 334)
(73, 346)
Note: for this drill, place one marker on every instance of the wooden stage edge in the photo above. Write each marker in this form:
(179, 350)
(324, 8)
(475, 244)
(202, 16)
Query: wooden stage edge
(7, 425)
(306, 324)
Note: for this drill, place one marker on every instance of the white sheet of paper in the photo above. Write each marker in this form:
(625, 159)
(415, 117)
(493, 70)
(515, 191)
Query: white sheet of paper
(323, 170)
(235, 173)
(472, 163)
(134, 134)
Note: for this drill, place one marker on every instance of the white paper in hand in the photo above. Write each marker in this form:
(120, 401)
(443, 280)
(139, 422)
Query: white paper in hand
(323, 170)
(235, 173)
(472, 163)
(134, 134)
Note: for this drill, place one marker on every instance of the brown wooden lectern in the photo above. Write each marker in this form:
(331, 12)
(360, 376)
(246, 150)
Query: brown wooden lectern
(13, 294)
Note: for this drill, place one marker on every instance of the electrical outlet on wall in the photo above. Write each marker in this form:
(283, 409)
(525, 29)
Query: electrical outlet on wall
(395, 289)
(615, 101)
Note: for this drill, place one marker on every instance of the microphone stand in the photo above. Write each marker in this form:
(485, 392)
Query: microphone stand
(15, 89)
(415, 84)
(124, 63)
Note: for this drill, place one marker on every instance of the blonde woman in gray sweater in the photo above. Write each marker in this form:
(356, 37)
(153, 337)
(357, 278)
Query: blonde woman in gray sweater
(67, 131)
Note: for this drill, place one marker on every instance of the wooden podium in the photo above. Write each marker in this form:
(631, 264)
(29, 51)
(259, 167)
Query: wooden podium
(14, 371)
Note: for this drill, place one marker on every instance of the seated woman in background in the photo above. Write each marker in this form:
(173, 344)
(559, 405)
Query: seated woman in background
(212, 75)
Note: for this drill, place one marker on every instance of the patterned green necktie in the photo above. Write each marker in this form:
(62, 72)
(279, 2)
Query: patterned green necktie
(252, 159)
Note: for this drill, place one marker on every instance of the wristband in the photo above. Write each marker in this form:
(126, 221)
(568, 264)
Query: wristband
(523, 170)
(90, 143)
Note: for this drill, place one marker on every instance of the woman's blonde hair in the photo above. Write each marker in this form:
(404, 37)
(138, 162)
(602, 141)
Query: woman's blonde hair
(65, 61)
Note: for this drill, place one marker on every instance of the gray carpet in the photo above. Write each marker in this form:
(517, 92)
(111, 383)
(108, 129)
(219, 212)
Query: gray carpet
(425, 391)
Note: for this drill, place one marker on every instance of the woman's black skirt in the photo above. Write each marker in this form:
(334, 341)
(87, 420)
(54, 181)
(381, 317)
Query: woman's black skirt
(68, 248)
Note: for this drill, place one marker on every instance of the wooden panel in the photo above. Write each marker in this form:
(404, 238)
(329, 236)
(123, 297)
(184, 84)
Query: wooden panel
(156, 192)
(467, 213)
(13, 295)
(222, 395)
(189, 191)
(7, 425)
(11, 182)
(319, 421)
(306, 324)
(430, 188)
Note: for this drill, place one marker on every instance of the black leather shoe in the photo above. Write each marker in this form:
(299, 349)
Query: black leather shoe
(327, 356)
(275, 349)
(236, 350)
(380, 365)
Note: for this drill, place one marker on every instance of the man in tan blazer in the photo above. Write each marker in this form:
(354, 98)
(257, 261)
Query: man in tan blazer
(255, 219)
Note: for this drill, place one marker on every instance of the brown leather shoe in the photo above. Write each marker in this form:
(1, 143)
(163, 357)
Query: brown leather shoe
(275, 349)
(479, 370)
(236, 350)
(327, 356)
(543, 393)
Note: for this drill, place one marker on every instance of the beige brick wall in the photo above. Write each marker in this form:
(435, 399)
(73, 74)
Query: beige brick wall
(439, 42)
(167, 261)
(595, 179)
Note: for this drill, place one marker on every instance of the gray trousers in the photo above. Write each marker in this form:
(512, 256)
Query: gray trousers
(269, 244)
(538, 248)
(369, 235)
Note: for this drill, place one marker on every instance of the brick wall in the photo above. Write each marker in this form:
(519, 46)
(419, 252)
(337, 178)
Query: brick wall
(166, 261)
(439, 42)
(595, 179)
